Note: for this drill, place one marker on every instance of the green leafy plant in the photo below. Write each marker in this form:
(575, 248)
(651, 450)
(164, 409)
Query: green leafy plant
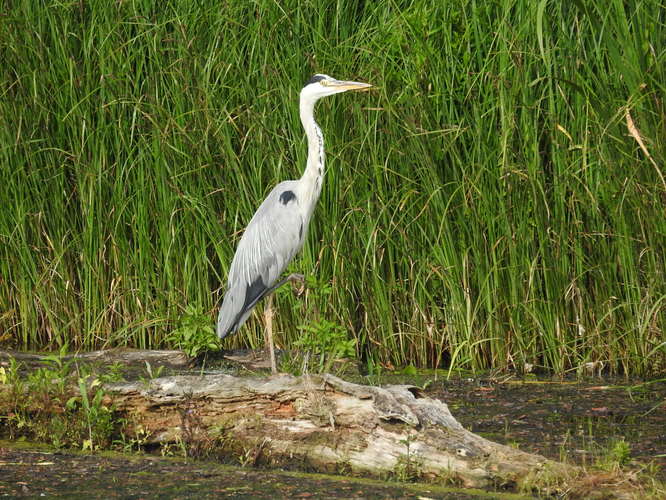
(151, 373)
(616, 454)
(325, 342)
(135, 441)
(96, 416)
(409, 466)
(13, 399)
(51, 404)
(194, 333)
(112, 373)
(321, 341)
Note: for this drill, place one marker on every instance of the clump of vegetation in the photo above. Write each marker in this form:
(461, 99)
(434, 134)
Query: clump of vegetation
(194, 333)
(55, 404)
(322, 341)
(616, 454)
(409, 466)
(612, 471)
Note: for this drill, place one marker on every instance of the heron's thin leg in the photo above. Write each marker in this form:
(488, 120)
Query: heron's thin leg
(268, 314)
(268, 317)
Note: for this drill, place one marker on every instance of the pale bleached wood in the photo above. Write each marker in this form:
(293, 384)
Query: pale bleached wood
(325, 422)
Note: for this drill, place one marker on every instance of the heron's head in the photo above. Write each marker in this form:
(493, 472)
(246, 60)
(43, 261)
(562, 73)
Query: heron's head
(323, 85)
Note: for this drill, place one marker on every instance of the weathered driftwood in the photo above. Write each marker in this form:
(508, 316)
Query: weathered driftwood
(326, 424)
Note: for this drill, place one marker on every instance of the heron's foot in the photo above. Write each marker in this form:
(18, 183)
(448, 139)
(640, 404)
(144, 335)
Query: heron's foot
(298, 283)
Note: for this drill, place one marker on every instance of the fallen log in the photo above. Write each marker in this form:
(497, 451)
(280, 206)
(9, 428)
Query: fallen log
(327, 424)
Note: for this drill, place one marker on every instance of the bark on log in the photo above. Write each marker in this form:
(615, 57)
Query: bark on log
(327, 424)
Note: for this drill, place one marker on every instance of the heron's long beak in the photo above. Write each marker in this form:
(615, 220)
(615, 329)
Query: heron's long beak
(347, 85)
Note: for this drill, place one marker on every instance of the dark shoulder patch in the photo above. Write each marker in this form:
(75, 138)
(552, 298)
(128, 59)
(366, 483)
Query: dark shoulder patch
(315, 79)
(287, 196)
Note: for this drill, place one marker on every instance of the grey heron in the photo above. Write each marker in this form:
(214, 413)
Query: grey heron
(278, 228)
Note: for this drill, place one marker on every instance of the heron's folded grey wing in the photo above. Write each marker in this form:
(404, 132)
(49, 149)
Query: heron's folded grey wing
(270, 242)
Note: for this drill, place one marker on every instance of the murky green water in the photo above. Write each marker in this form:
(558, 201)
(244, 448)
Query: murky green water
(33, 473)
(573, 421)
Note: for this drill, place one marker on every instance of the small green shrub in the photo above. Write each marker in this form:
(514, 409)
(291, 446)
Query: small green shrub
(321, 341)
(194, 333)
(325, 341)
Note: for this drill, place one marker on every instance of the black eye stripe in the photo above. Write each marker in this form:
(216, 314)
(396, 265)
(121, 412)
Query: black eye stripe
(315, 79)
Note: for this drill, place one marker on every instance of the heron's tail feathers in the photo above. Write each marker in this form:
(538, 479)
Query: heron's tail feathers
(237, 305)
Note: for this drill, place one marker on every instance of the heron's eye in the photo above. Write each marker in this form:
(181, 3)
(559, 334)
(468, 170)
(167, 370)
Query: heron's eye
(323, 82)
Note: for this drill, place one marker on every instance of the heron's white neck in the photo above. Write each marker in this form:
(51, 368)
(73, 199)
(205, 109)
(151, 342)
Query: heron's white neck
(313, 176)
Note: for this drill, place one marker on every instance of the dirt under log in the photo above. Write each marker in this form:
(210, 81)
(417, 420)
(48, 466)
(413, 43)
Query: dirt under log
(327, 424)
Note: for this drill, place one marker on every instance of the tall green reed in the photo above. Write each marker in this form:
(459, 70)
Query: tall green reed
(486, 207)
